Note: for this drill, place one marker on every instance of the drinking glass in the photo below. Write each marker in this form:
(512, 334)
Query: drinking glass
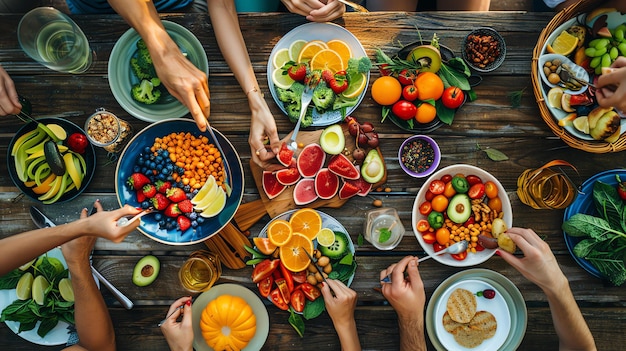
(51, 38)
(201, 270)
(383, 228)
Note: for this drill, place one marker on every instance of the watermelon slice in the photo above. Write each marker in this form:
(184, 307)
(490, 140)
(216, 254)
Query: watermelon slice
(341, 166)
(304, 192)
(271, 186)
(285, 155)
(311, 160)
(326, 184)
(364, 187)
(288, 176)
(348, 190)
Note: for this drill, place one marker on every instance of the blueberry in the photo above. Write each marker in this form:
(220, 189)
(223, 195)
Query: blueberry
(165, 171)
(170, 226)
(166, 153)
(158, 217)
(187, 188)
(194, 224)
(152, 165)
(141, 161)
(136, 169)
(162, 223)
(159, 158)
(145, 204)
(161, 176)
(193, 216)
(146, 149)
(200, 220)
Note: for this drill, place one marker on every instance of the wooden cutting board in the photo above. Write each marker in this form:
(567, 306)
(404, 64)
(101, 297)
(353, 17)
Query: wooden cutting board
(284, 202)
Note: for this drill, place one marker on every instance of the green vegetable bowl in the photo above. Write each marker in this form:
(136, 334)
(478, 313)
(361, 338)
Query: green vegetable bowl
(122, 78)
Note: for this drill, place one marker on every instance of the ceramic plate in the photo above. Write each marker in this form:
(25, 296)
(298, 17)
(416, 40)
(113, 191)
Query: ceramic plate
(472, 258)
(260, 312)
(324, 32)
(121, 77)
(149, 226)
(508, 307)
(614, 19)
(89, 156)
(584, 204)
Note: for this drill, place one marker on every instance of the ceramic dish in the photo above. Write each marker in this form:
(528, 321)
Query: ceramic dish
(149, 226)
(121, 77)
(324, 32)
(436, 157)
(584, 204)
(472, 258)
(260, 312)
(613, 20)
(508, 307)
(89, 156)
(498, 60)
(579, 72)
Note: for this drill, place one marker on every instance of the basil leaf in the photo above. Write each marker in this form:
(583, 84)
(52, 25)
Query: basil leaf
(385, 234)
(312, 309)
(445, 114)
(9, 280)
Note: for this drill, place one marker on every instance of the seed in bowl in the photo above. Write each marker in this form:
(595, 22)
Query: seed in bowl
(103, 128)
(482, 50)
(418, 156)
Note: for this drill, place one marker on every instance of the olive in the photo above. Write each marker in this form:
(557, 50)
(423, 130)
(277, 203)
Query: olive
(554, 78)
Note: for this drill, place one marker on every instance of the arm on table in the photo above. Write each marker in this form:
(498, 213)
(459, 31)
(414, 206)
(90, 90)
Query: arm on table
(341, 307)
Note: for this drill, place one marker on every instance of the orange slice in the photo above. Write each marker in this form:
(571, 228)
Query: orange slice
(306, 221)
(279, 232)
(310, 49)
(342, 48)
(264, 245)
(292, 254)
(327, 59)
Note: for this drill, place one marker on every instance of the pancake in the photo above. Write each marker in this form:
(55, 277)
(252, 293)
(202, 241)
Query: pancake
(461, 305)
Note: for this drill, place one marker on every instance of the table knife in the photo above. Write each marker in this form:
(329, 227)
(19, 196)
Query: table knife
(42, 221)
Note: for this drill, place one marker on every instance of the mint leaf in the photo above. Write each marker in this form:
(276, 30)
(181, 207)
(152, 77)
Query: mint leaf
(385, 234)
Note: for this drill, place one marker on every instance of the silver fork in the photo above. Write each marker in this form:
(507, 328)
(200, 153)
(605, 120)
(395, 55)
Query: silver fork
(305, 100)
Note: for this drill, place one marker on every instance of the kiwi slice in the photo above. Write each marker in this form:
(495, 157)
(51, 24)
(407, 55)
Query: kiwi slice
(337, 249)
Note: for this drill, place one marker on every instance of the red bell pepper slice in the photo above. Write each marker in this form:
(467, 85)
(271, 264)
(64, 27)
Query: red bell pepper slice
(310, 291)
(264, 269)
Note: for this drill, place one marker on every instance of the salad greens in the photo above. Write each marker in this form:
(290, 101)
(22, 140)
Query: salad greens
(603, 237)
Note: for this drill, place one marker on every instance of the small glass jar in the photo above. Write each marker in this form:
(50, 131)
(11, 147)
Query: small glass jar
(383, 228)
(106, 130)
(201, 270)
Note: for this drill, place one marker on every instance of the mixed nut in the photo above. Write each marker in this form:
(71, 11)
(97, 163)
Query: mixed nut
(482, 49)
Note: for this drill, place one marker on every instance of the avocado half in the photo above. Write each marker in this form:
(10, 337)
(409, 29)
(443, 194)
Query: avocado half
(459, 208)
(146, 270)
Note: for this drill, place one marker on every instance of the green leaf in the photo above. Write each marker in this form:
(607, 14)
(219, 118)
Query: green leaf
(47, 325)
(584, 247)
(453, 77)
(581, 225)
(9, 280)
(385, 234)
(360, 240)
(515, 97)
(312, 309)
(460, 66)
(384, 113)
(609, 204)
(445, 114)
(471, 95)
(493, 154)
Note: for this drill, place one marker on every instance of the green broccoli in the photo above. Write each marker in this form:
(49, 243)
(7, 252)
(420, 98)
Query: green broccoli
(145, 92)
(138, 70)
(323, 97)
(293, 110)
(360, 65)
(285, 95)
(155, 81)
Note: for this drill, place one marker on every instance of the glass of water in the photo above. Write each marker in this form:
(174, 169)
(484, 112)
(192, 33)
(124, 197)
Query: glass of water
(383, 228)
(51, 38)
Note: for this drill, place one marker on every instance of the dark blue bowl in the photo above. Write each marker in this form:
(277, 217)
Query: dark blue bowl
(149, 226)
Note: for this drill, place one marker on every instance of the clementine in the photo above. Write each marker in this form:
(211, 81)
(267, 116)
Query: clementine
(429, 86)
(426, 113)
(386, 90)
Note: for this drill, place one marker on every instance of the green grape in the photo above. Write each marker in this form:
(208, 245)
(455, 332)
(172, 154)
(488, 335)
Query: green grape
(600, 52)
(591, 52)
(606, 60)
(601, 44)
(592, 44)
(598, 70)
(595, 62)
(619, 34)
(613, 53)
(622, 48)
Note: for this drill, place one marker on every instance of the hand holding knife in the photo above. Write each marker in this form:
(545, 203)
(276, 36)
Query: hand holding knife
(314, 262)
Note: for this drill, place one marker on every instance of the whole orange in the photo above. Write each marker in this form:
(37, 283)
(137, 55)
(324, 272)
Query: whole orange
(386, 90)
(429, 86)
(426, 113)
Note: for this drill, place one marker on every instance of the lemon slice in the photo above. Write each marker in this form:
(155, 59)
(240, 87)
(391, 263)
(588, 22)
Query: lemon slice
(27, 265)
(65, 288)
(208, 198)
(40, 284)
(582, 124)
(325, 237)
(564, 44)
(356, 87)
(295, 48)
(206, 188)
(281, 80)
(280, 58)
(215, 207)
(24, 286)
(554, 97)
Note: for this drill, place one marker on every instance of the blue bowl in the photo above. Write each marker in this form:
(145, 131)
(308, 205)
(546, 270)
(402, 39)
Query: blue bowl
(149, 226)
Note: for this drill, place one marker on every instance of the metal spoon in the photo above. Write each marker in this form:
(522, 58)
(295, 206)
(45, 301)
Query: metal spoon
(124, 221)
(452, 249)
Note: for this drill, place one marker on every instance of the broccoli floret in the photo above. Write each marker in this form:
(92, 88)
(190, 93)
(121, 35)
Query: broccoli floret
(360, 65)
(145, 61)
(285, 95)
(293, 110)
(138, 70)
(323, 97)
(307, 120)
(141, 45)
(155, 81)
(145, 92)
(298, 89)
(341, 102)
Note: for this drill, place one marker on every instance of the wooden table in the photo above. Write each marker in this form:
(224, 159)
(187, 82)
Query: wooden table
(489, 121)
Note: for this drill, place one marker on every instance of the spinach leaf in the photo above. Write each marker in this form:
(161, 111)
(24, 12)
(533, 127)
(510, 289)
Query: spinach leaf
(446, 115)
(609, 204)
(312, 309)
(584, 247)
(453, 77)
(9, 280)
(47, 325)
(295, 320)
(581, 225)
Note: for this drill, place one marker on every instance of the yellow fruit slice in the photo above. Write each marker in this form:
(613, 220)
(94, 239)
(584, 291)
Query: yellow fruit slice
(264, 245)
(582, 124)
(325, 237)
(564, 44)
(206, 188)
(295, 48)
(327, 59)
(306, 221)
(40, 284)
(310, 49)
(292, 254)
(65, 288)
(554, 97)
(281, 80)
(216, 206)
(24, 286)
(280, 58)
(27, 265)
(342, 48)
(279, 232)
(356, 87)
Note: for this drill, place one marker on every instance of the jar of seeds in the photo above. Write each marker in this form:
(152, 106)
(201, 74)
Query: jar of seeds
(106, 130)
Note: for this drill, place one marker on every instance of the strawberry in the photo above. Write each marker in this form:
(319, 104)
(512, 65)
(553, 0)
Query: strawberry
(172, 210)
(183, 223)
(327, 76)
(140, 196)
(149, 190)
(160, 202)
(176, 194)
(163, 186)
(339, 82)
(297, 71)
(137, 181)
(185, 206)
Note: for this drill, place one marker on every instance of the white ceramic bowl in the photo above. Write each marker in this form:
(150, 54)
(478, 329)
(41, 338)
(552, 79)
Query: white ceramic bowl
(579, 72)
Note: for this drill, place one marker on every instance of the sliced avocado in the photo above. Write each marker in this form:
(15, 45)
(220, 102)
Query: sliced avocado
(427, 56)
(54, 158)
(337, 249)
(459, 208)
(146, 270)
(373, 168)
(333, 140)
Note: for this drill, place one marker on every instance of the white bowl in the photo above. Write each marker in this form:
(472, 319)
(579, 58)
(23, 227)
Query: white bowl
(472, 258)
(578, 71)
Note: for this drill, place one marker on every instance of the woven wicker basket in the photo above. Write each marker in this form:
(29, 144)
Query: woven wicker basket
(586, 145)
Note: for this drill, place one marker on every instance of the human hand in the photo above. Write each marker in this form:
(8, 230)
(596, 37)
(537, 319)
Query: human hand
(538, 264)
(406, 295)
(316, 10)
(341, 306)
(179, 335)
(78, 250)
(104, 223)
(9, 103)
(610, 91)
(262, 127)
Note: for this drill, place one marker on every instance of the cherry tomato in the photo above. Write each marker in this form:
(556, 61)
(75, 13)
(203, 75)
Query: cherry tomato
(446, 178)
(310, 292)
(277, 300)
(460, 256)
(429, 195)
(265, 286)
(449, 191)
(287, 276)
(297, 300)
(429, 237)
(438, 247)
(383, 69)
(440, 203)
(476, 191)
(442, 235)
(495, 204)
(437, 187)
(404, 110)
(409, 93)
(425, 208)
(472, 179)
(491, 189)
(452, 97)
(264, 269)
(621, 187)
(422, 225)
(407, 77)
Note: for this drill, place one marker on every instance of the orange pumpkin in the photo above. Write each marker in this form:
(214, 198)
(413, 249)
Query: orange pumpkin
(228, 323)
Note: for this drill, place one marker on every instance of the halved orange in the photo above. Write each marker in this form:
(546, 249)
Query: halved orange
(292, 254)
(327, 59)
(310, 49)
(279, 232)
(264, 245)
(342, 48)
(306, 221)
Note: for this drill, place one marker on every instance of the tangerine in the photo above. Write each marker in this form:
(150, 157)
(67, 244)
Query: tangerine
(442, 236)
(310, 49)
(292, 254)
(279, 232)
(429, 86)
(426, 113)
(306, 221)
(327, 59)
(264, 245)
(386, 90)
(341, 48)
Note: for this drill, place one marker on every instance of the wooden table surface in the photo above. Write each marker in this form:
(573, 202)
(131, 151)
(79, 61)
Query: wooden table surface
(490, 121)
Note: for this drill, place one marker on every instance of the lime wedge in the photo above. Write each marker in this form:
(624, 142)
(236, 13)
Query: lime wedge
(24, 286)
(280, 58)
(356, 86)
(65, 288)
(281, 80)
(40, 284)
(215, 207)
(295, 47)
(27, 265)
(206, 188)
(325, 237)
(582, 124)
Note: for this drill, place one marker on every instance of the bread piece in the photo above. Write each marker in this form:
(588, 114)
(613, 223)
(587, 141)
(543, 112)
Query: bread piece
(449, 325)
(482, 327)
(461, 305)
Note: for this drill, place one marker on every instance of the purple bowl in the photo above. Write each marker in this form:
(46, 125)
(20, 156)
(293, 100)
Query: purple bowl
(435, 156)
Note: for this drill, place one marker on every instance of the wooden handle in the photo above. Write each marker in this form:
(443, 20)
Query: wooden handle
(249, 213)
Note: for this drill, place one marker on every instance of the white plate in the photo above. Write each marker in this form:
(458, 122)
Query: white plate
(508, 307)
(614, 19)
(260, 312)
(472, 258)
(324, 32)
(579, 72)
(121, 77)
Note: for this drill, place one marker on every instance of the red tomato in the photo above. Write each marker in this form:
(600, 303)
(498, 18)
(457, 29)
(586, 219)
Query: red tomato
(409, 93)
(437, 187)
(425, 208)
(452, 97)
(449, 190)
(476, 191)
(299, 277)
(265, 286)
(310, 292)
(469, 221)
(479, 247)
(429, 237)
(429, 195)
(422, 225)
(264, 269)
(297, 300)
(277, 300)
(287, 276)
(446, 178)
(404, 110)
(407, 77)
(460, 256)
(491, 189)
(440, 203)
(438, 247)
(472, 179)
(495, 204)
